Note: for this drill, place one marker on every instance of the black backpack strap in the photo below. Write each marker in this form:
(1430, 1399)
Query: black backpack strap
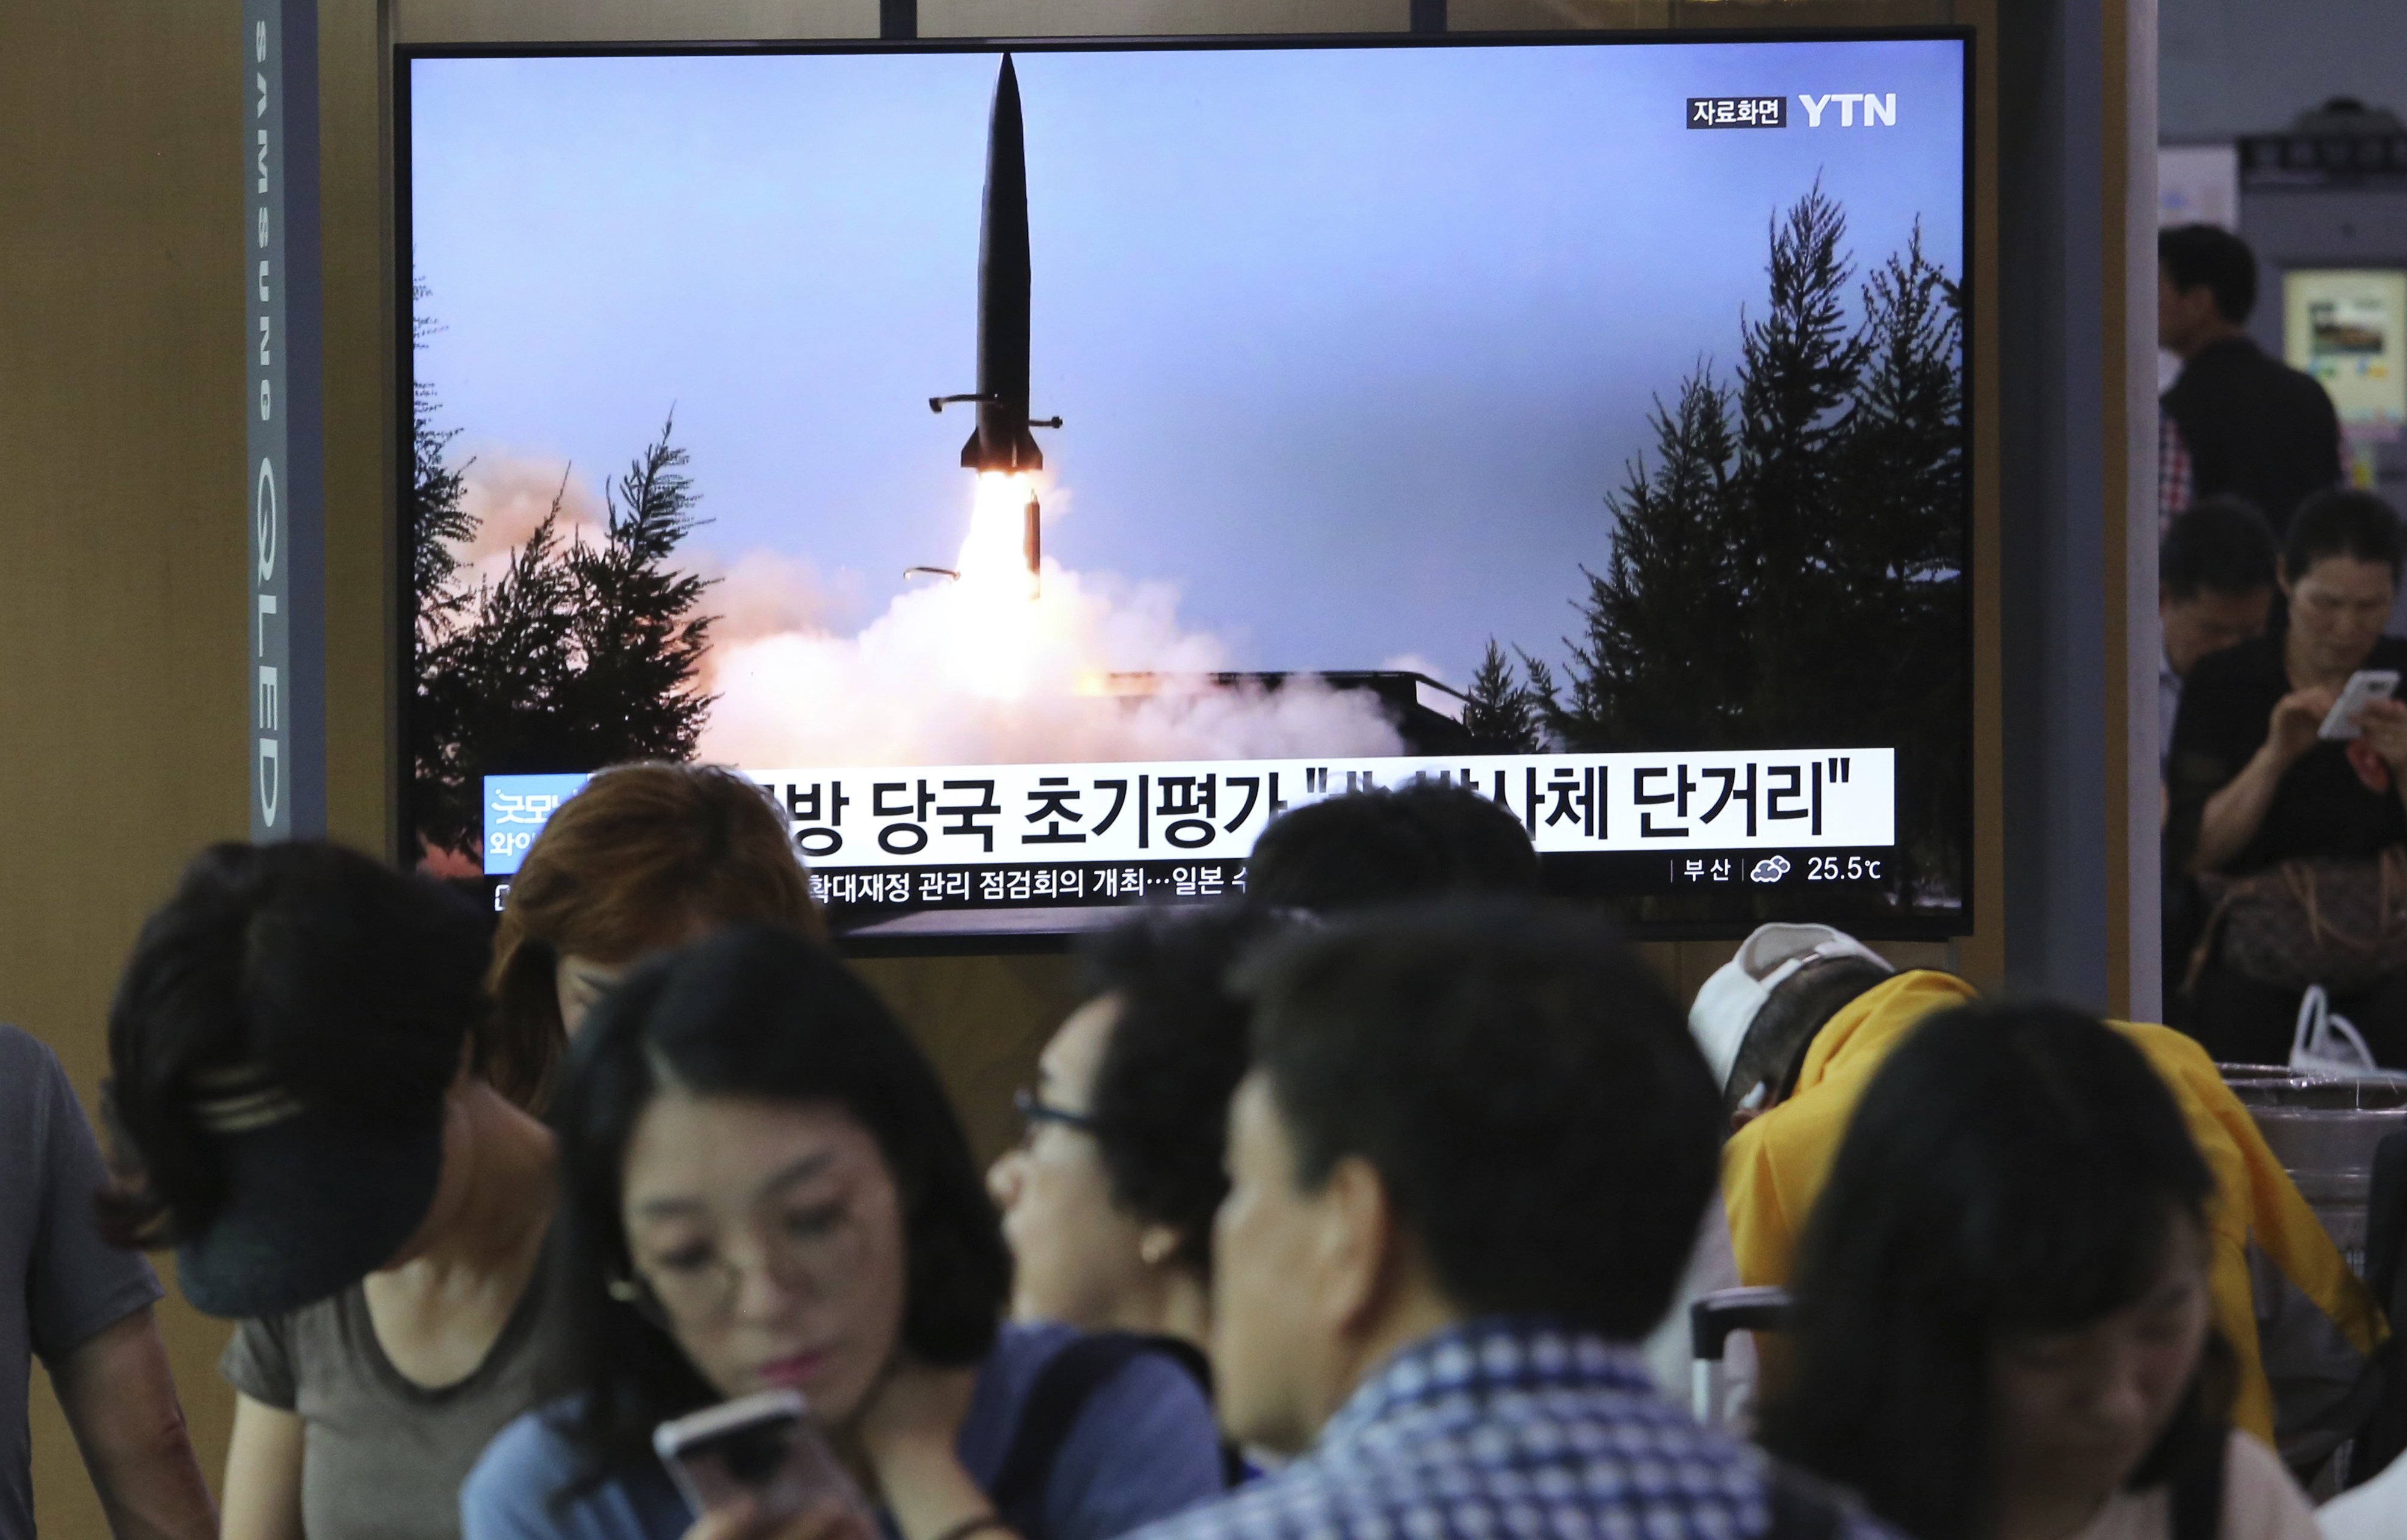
(1063, 1387)
(2197, 1489)
(1186, 1356)
(1801, 1507)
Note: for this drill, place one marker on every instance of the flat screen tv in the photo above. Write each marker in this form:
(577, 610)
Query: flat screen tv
(1039, 465)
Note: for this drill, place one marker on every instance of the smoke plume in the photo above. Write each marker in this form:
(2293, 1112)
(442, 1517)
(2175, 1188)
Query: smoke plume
(966, 670)
(951, 675)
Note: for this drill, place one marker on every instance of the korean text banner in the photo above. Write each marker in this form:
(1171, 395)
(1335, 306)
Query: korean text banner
(932, 816)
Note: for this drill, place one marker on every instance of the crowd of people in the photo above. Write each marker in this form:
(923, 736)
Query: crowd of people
(1366, 1204)
(1359, 1205)
(2286, 795)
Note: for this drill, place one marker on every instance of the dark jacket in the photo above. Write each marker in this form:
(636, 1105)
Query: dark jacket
(2319, 809)
(2255, 428)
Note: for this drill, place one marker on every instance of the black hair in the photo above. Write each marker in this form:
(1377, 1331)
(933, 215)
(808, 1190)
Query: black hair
(2011, 1168)
(758, 1012)
(1178, 1048)
(309, 968)
(2220, 544)
(1525, 1088)
(1797, 1008)
(1488, 850)
(1383, 846)
(2194, 254)
(2341, 521)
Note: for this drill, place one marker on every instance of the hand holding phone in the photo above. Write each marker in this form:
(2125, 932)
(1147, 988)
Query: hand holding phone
(761, 1451)
(827, 1520)
(2365, 687)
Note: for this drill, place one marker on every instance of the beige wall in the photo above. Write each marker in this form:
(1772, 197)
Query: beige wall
(121, 542)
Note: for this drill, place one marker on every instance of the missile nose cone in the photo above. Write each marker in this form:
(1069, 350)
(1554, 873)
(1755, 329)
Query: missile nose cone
(1002, 440)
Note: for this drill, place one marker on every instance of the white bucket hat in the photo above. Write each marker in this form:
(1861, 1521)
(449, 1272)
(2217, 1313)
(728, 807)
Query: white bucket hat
(1732, 997)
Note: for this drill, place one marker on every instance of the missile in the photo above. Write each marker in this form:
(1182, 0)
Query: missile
(1000, 441)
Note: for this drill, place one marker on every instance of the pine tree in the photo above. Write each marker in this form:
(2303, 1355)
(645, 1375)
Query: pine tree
(1797, 374)
(1546, 699)
(1789, 571)
(434, 513)
(1897, 541)
(578, 655)
(1503, 716)
(1661, 661)
(436, 524)
(1901, 460)
(638, 637)
(489, 693)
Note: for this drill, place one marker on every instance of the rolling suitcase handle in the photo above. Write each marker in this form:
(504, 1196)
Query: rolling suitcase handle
(1711, 1321)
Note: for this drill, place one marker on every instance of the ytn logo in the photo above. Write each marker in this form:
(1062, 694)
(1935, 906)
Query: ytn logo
(1880, 110)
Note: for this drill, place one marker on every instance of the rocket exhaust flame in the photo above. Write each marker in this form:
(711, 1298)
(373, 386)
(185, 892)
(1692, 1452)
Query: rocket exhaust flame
(1031, 546)
(1002, 551)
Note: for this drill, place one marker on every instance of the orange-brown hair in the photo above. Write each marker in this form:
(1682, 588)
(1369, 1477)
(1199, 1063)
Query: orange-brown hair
(644, 856)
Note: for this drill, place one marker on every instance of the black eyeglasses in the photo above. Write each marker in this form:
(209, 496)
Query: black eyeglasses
(1034, 1109)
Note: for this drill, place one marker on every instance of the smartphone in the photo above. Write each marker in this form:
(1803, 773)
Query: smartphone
(2365, 687)
(764, 1446)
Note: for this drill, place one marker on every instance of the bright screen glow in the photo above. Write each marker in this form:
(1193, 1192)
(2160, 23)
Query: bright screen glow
(1426, 410)
(2348, 328)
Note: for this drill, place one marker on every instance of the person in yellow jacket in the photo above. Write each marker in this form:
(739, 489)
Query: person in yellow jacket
(2274, 1265)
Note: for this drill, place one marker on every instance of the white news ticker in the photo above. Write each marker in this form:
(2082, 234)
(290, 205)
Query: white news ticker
(980, 814)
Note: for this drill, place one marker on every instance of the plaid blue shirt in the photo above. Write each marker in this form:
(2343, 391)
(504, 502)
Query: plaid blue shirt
(1505, 1429)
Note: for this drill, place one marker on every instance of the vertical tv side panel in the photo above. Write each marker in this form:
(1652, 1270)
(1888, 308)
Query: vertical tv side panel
(284, 407)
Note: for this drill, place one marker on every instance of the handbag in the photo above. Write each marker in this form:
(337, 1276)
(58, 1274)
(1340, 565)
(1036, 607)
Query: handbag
(2340, 923)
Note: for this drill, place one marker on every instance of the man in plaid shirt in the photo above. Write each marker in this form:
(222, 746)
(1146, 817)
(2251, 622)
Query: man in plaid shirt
(2176, 487)
(1465, 1174)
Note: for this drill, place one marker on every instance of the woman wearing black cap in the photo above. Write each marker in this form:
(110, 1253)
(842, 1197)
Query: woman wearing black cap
(296, 1047)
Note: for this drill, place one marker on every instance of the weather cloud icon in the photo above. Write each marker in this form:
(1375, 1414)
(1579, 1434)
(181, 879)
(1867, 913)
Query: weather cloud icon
(1770, 869)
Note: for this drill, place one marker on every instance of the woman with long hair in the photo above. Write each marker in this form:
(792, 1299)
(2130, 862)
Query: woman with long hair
(2002, 1316)
(644, 858)
(764, 1187)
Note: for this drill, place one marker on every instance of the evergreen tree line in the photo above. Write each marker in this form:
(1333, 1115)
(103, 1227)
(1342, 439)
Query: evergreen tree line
(581, 653)
(1789, 570)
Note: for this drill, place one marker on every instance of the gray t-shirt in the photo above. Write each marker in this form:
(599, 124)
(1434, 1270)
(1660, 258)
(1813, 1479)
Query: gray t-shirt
(382, 1456)
(60, 1282)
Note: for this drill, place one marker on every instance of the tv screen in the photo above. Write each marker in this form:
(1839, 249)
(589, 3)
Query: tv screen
(1039, 467)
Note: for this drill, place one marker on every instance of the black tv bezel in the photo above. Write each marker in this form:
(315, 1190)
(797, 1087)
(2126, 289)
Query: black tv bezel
(1962, 924)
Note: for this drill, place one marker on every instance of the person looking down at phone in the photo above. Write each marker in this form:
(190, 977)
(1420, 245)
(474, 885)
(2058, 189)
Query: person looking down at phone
(2215, 574)
(765, 1188)
(297, 1051)
(2004, 1326)
(2255, 780)
(1804, 1019)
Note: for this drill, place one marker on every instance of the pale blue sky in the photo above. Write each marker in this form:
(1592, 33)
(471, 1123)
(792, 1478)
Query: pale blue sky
(1351, 343)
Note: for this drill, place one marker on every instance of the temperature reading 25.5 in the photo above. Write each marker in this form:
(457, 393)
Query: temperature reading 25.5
(1841, 869)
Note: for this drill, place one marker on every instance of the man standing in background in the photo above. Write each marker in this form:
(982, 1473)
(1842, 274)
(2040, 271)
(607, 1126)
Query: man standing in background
(2237, 421)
